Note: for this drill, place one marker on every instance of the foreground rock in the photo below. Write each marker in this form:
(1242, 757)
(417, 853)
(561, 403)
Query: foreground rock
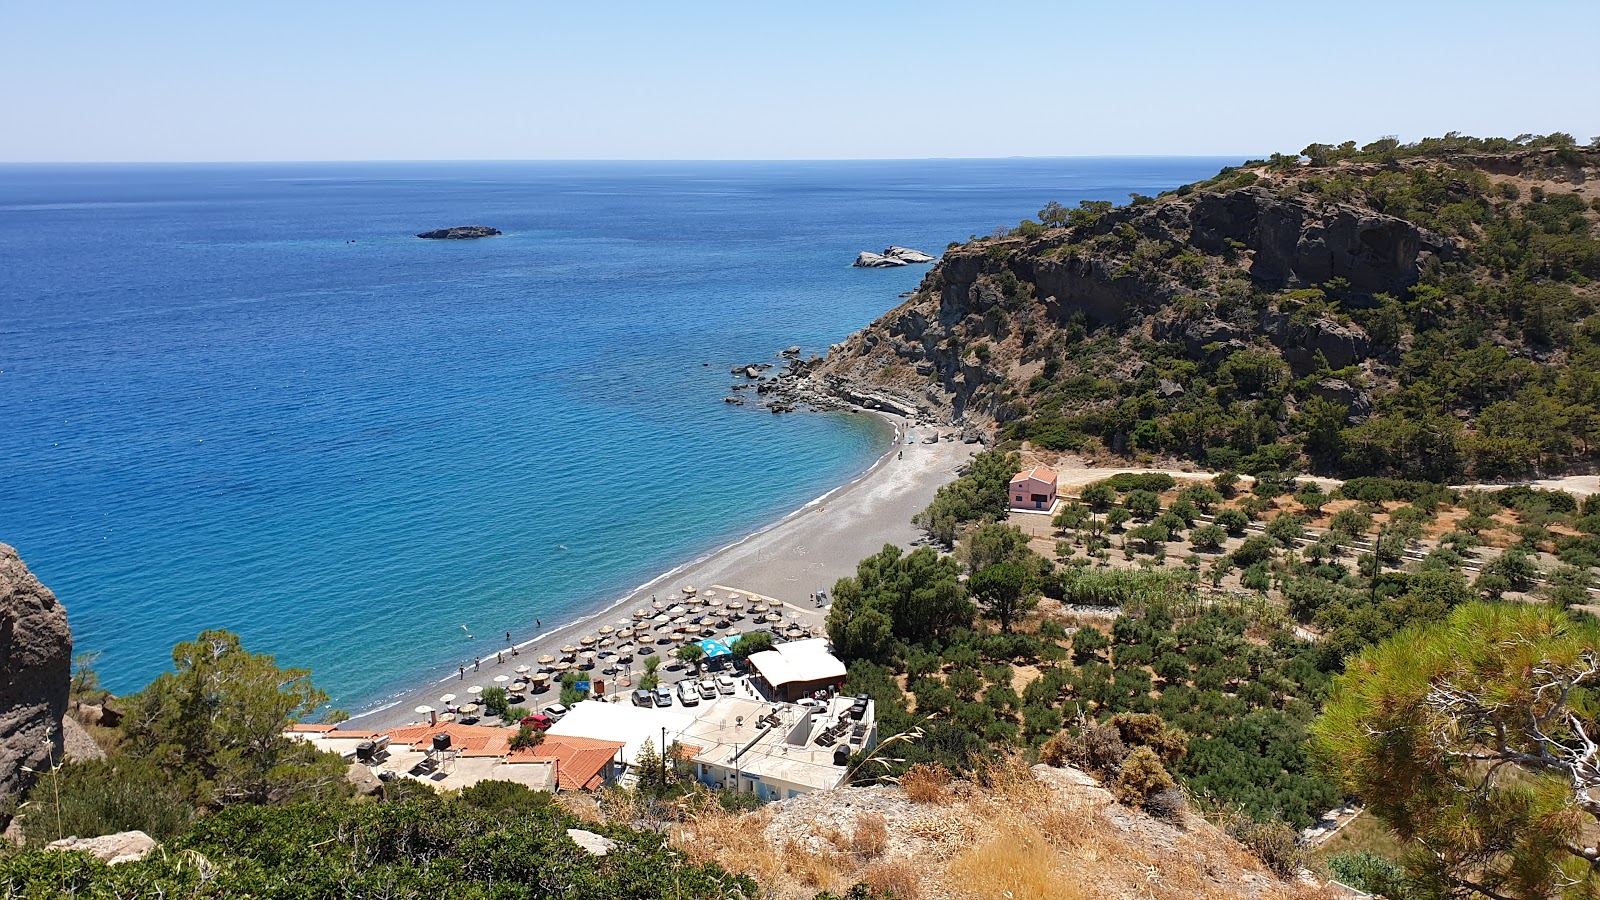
(460, 233)
(892, 257)
(593, 844)
(125, 846)
(35, 674)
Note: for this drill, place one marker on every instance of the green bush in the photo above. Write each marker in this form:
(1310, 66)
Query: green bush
(104, 797)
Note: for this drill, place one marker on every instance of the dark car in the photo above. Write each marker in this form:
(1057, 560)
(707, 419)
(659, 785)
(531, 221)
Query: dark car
(663, 696)
(643, 698)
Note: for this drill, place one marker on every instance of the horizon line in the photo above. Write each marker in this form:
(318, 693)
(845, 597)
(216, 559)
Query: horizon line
(750, 159)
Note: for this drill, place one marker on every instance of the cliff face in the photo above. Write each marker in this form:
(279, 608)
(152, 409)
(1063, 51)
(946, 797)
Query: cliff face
(1062, 325)
(35, 674)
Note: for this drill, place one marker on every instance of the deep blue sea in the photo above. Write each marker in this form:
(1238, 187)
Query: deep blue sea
(245, 397)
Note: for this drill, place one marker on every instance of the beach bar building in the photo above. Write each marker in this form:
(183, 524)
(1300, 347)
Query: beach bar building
(1034, 489)
(794, 669)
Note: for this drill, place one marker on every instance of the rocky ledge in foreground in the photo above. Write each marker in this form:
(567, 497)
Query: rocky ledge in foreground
(890, 258)
(460, 233)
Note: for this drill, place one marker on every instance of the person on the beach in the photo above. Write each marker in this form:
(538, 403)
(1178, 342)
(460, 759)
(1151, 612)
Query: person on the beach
(463, 672)
(477, 664)
(499, 656)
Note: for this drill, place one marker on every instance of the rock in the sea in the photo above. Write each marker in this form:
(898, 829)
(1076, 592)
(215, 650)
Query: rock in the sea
(124, 846)
(792, 351)
(35, 674)
(460, 233)
(892, 257)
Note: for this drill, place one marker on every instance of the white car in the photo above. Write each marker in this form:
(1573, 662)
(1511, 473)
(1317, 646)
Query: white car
(725, 685)
(708, 689)
(687, 695)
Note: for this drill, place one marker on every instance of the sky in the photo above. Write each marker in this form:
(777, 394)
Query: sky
(162, 80)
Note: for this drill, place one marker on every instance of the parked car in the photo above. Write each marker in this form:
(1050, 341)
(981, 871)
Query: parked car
(555, 711)
(538, 721)
(663, 696)
(687, 695)
(643, 698)
(707, 688)
(725, 685)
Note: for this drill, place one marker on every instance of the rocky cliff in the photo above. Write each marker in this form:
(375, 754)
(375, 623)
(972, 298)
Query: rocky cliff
(35, 675)
(1239, 301)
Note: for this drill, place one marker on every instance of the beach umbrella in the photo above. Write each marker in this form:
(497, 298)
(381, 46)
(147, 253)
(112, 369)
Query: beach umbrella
(562, 666)
(586, 640)
(471, 709)
(690, 589)
(448, 698)
(546, 660)
(430, 712)
(732, 632)
(569, 649)
(502, 679)
(625, 633)
(606, 629)
(424, 709)
(588, 654)
(639, 613)
(736, 603)
(658, 605)
(774, 617)
(733, 595)
(759, 607)
(518, 687)
(475, 689)
(716, 602)
(540, 678)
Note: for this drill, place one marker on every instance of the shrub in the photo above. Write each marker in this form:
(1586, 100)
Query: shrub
(1367, 871)
(1143, 504)
(1257, 548)
(104, 797)
(1286, 530)
(925, 782)
(1208, 537)
(1168, 805)
(1274, 843)
(1141, 775)
(899, 880)
(1235, 521)
(870, 837)
(1095, 748)
(1156, 482)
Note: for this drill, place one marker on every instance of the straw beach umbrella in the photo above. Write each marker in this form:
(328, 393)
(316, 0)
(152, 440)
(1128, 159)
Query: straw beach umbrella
(569, 649)
(524, 669)
(606, 629)
(546, 660)
(502, 679)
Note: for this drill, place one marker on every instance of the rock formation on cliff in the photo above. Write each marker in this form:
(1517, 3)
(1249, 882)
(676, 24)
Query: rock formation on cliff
(35, 674)
(1314, 312)
(460, 233)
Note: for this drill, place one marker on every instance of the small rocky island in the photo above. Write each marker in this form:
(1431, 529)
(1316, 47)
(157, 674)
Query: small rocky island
(890, 258)
(460, 233)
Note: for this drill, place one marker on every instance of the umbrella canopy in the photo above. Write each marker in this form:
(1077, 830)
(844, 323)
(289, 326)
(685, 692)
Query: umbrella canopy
(546, 660)
(502, 679)
(759, 607)
(715, 648)
(448, 698)
(606, 629)
(523, 670)
(689, 589)
(588, 654)
(475, 689)
(732, 632)
(736, 603)
(539, 677)
(625, 633)
(569, 649)
(716, 602)
(563, 666)
(774, 617)
(470, 709)
(518, 687)
(640, 613)
(586, 640)
(424, 709)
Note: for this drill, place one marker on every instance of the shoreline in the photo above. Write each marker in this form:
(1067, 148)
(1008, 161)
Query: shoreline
(777, 560)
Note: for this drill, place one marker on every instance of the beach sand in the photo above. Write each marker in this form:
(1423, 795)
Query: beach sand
(806, 551)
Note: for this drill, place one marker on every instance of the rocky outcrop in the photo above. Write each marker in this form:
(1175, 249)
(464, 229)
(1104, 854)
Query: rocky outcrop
(124, 846)
(460, 233)
(891, 258)
(591, 843)
(35, 675)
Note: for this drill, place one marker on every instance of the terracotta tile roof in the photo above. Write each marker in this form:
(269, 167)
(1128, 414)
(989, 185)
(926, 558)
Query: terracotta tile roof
(1042, 473)
(303, 728)
(579, 761)
(471, 740)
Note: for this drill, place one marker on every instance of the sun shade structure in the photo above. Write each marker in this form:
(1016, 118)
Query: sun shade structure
(796, 668)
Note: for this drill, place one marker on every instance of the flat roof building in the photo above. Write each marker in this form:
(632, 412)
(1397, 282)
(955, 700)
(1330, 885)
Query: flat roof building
(794, 669)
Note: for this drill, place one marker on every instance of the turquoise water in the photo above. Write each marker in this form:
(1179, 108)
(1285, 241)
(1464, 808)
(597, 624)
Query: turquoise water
(244, 397)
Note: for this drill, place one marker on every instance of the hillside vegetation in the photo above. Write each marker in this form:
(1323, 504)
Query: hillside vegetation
(1427, 311)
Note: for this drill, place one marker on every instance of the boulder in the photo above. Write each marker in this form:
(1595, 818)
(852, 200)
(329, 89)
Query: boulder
(1169, 388)
(366, 783)
(460, 233)
(77, 745)
(875, 261)
(907, 255)
(35, 675)
(124, 846)
(593, 844)
(792, 351)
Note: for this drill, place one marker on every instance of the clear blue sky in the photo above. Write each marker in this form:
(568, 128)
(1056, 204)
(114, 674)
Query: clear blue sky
(152, 80)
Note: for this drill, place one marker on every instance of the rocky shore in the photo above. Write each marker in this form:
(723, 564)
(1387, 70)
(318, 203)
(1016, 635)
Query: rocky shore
(892, 258)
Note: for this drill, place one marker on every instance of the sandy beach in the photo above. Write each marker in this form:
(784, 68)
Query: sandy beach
(806, 551)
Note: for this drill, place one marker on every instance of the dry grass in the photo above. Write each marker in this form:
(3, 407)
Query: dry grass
(1001, 834)
(925, 783)
(900, 880)
(870, 837)
(1017, 865)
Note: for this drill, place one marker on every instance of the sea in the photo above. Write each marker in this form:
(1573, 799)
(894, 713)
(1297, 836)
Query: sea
(246, 397)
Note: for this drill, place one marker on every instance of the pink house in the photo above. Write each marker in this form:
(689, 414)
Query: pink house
(1034, 489)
